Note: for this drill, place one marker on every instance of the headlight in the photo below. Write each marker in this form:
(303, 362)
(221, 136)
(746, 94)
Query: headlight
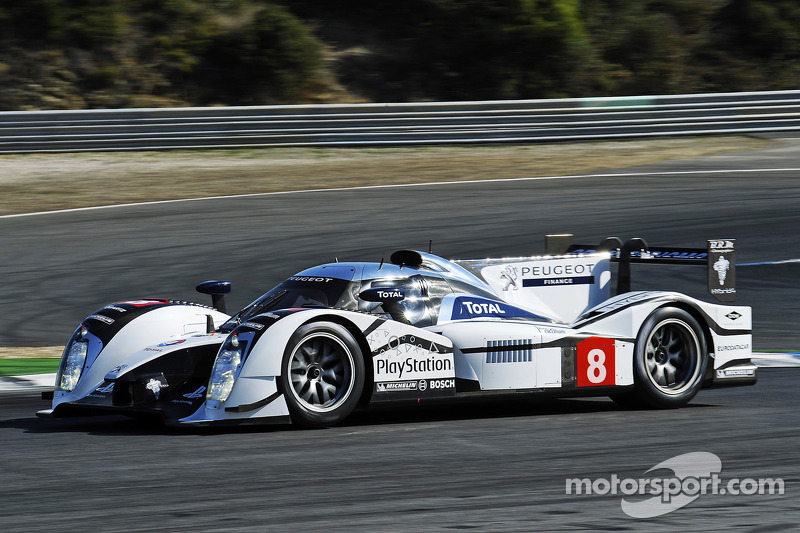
(223, 375)
(72, 365)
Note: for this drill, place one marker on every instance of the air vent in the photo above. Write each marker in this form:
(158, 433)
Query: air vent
(509, 351)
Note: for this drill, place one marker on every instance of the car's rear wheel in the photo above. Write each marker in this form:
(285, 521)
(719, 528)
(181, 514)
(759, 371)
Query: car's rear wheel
(669, 362)
(322, 374)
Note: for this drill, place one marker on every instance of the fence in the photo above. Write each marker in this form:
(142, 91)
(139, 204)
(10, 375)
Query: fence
(332, 125)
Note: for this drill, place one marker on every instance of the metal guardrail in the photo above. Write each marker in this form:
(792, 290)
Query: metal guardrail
(577, 119)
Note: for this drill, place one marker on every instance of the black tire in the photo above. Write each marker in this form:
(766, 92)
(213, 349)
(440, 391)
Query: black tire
(670, 359)
(322, 374)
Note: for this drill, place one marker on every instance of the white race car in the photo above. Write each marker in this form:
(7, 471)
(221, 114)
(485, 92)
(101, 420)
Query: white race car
(344, 335)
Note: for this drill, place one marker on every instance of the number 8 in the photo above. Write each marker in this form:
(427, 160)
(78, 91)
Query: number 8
(596, 372)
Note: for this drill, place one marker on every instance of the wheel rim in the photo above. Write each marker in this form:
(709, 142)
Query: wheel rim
(321, 372)
(672, 356)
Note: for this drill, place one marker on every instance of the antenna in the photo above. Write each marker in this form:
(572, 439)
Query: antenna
(430, 246)
(381, 265)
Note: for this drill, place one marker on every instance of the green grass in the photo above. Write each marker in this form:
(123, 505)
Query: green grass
(26, 366)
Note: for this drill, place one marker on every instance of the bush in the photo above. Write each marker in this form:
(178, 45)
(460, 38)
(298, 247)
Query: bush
(484, 49)
(78, 23)
(273, 58)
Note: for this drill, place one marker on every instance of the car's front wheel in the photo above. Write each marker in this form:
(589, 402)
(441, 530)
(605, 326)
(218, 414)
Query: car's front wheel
(322, 374)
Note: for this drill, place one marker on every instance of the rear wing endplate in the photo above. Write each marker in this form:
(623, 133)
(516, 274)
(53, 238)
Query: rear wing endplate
(718, 256)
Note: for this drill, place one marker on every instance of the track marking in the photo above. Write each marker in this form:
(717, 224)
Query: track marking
(400, 185)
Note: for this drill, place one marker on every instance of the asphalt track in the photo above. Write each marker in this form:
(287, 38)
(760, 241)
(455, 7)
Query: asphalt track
(499, 465)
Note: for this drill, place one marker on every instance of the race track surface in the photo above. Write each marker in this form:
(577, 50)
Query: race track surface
(499, 465)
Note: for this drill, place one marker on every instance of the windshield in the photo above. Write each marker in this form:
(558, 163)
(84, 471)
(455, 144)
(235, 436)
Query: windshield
(296, 292)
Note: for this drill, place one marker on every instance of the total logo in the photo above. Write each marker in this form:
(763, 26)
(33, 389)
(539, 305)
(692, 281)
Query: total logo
(483, 308)
(473, 307)
(389, 294)
(172, 343)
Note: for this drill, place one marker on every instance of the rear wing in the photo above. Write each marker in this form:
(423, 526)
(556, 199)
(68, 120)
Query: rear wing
(718, 256)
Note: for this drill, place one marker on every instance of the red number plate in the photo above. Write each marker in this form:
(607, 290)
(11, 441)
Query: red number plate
(596, 357)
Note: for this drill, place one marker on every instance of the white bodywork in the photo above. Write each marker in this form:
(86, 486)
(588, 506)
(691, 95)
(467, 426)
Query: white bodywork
(138, 342)
(550, 325)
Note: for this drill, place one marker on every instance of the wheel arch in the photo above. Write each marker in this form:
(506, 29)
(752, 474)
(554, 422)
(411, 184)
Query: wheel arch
(700, 317)
(358, 335)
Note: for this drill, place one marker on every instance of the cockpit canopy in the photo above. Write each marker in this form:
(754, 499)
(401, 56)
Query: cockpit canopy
(414, 286)
(339, 285)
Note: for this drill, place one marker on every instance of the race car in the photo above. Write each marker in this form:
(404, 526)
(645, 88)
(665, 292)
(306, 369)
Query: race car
(341, 336)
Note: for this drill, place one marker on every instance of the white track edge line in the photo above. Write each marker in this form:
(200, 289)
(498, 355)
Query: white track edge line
(399, 185)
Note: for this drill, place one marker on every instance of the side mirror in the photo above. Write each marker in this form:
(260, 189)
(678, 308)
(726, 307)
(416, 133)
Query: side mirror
(383, 294)
(217, 290)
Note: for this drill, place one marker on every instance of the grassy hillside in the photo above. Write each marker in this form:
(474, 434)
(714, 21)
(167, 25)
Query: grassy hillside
(73, 54)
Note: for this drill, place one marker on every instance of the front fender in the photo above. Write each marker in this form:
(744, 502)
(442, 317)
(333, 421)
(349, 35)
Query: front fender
(122, 329)
(272, 331)
(255, 393)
